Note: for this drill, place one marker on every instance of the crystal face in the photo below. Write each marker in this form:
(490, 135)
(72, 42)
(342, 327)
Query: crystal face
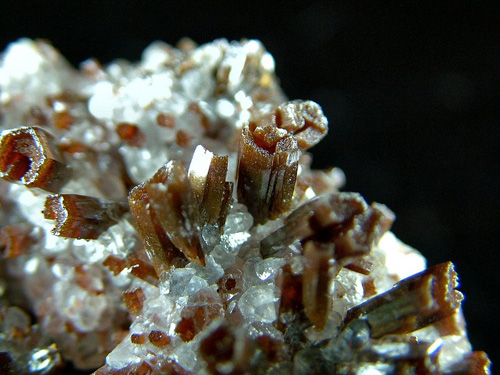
(161, 217)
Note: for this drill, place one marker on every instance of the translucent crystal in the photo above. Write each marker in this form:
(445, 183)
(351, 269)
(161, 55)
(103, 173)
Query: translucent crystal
(258, 303)
(81, 307)
(268, 268)
(184, 282)
(43, 361)
(122, 356)
(238, 222)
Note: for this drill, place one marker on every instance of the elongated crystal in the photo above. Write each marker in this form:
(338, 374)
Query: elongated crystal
(79, 216)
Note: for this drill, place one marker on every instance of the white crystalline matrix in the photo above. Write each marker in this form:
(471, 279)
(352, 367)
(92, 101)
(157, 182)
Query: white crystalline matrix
(161, 217)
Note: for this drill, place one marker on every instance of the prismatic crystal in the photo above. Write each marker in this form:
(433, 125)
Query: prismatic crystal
(161, 217)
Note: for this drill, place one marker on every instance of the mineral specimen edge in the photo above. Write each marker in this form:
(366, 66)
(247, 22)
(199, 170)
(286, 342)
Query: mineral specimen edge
(162, 217)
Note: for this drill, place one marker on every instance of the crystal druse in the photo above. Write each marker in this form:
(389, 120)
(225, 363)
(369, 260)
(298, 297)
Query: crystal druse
(161, 217)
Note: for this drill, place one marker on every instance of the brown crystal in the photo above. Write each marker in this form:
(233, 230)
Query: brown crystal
(186, 329)
(138, 338)
(159, 248)
(28, 155)
(227, 351)
(159, 338)
(361, 265)
(164, 212)
(131, 134)
(230, 285)
(362, 232)
(165, 120)
(476, 363)
(182, 138)
(313, 220)
(62, 120)
(369, 287)
(413, 303)
(334, 230)
(142, 269)
(171, 198)
(291, 302)
(114, 264)
(267, 170)
(207, 176)
(79, 216)
(304, 119)
(316, 282)
(217, 347)
(15, 239)
(134, 300)
(202, 309)
(340, 218)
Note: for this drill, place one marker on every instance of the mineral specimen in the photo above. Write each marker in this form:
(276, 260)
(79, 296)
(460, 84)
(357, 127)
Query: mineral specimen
(117, 258)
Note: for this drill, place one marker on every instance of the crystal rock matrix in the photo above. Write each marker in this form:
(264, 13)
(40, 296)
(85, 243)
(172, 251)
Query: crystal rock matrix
(161, 217)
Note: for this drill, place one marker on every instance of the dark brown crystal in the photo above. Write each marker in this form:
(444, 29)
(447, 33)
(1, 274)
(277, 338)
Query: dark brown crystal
(131, 134)
(207, 176)
(30, 157)
(142, 269)
(267, 169)
(79, 216)
(291, 302)
(342, 219)
(171, 199)
(138, 338)
(114, 264)
(159, 338)
(164, 213)
(160, 249)
(316, 282)
(134, 300)
(304, 119)
(413, 303)
(218, 348)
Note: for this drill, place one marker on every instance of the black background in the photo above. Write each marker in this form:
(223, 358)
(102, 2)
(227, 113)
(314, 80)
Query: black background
(411, 92)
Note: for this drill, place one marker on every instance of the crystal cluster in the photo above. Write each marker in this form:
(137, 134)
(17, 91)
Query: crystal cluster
(161, 217)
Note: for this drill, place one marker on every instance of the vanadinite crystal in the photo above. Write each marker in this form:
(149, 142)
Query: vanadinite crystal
(162, 217)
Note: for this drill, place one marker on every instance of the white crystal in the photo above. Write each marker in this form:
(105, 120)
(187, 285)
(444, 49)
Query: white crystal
(184, 282)
(258, 304)
(212, 271)
(401, 260)
(238, 222)
(86, 251)
(453, 350)
(82, 308)
(122, 356)
(210, 235)
(267, 269)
